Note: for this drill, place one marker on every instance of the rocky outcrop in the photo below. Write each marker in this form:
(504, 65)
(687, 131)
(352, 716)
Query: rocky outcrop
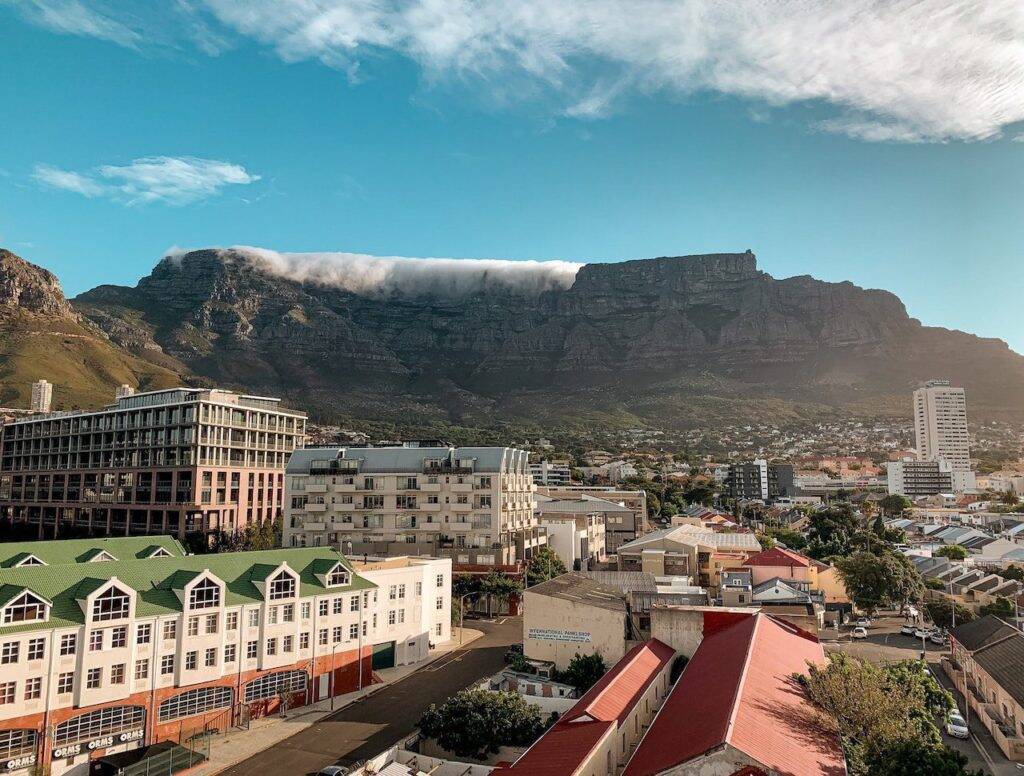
(31, 289)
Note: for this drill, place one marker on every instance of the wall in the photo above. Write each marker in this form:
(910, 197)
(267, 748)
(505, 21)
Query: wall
(683, 627)
(602, 630)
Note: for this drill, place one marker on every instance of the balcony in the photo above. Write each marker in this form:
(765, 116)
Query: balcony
(311, 507)
(310, 525)
(461, 487)
(467, 507)
(341, 525)
(430, 487)
(429, 507)
(344, 487)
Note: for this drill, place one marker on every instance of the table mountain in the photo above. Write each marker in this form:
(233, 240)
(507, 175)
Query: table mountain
(679, 341)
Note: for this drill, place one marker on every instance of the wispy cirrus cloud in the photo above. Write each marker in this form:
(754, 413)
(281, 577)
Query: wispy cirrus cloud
(886, 70)
(74, 17)
(166, 179)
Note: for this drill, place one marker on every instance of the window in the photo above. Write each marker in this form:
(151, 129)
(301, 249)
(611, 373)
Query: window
(9, 652)
(275, 685)
(322, 607)
(211, 623)
(211, 657)
(322, 638)
(33, 688)
(254, 618)
(306, 608)
(353, 631)
(15, 743)
(401, 592)
(191, 661)
(419, 589)
(117, 673)
(93, 678)
(353, 604)
(271, 647)
(25, 608)
(336, 634)
(7, 691)
(118, 637)
(65, 683)
(339, 576)
(287, 643)
(141, 669)
(391, 617)
(338, 604)
(303, 641)
(192, 702)
(193, 626)
(251, 650)
(272, 615)
(111, 604)
(166, 665)
(440, 580)
(282, 586)
(96, 724)
(288, 613)
(439, 604)
(231, 621)
(437, 629)
(143, 633)
(205, 594)
(68, 644)
(95, 640)
(393, 592)
(230, 653)
(170, 630)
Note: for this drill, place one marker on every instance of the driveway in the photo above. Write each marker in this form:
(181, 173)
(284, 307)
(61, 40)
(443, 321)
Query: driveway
(386, 717)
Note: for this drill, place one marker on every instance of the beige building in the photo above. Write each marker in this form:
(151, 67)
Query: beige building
(474, 505)
(940, 424)
(42, 396)
(576, 536)
(620, 526)
(177, 461)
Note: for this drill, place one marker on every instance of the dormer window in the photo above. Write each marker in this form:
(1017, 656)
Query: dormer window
(101, 557)
(30, 560)
(25, 608)
(339, 576)
(111, 604)
(282, 586)
(160, 552)
(205, 594)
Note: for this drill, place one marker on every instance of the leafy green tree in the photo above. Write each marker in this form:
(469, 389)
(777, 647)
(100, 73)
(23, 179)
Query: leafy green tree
(476, 723)
(583, 671)
(951, 551)
(499, 587)
(910, 757)
(941, 613)
(832, 532)
(895, 504)
(873, 581)
(794, 540)
(544, 565)
(767, 540)
(1001, 607)
(1012, 572)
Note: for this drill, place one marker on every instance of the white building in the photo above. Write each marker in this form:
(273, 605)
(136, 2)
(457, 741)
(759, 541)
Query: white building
(42, 396)
(578, 539)
(940, 424)
(474, 505)
(551, 473)
(919, 478)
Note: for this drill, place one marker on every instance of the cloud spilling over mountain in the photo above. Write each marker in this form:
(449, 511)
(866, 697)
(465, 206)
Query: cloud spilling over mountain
(386, 276)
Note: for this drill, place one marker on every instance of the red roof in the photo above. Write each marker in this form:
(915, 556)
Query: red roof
(738, 690)
(605, 706)
(777, 556)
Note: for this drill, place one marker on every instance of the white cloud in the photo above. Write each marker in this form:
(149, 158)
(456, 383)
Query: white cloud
(72, 17)
(889, 70)
(167, 179)
(402, 276)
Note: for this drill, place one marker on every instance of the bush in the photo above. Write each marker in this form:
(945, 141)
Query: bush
(476, 723)
(583, 671)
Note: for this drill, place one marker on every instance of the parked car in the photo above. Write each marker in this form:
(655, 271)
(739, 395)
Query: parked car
(864, 622)
(956, 726)
(938, 637)
(920, 632)
(859, 633)
(907, 629)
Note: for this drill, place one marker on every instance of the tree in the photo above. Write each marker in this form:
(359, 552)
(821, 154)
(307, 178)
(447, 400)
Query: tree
(583, 671)
(767, 541)
(941, 613)
(951, 551)
(832, 532)
(544, 565)
(476, 723)
(873, 581)
(794, 540)
(500, 587)
(909, 757)
(895, 504)
(1012, 572)
(1001, 607)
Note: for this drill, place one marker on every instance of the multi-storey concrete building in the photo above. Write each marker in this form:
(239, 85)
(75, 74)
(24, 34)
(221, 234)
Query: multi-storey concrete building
(174, 461)
(625, 511)
(42, 396)
(474, 505)
(121, 651)
(919, 478)
(940, 424)
(551, 473)
(759, 480)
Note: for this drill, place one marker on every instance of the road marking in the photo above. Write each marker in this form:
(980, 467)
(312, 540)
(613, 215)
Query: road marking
(984, 753)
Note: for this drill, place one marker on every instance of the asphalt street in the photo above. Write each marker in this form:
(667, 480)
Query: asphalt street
(388, 716)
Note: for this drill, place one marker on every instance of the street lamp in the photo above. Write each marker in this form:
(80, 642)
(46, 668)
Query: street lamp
(334, 650)
(461, 611)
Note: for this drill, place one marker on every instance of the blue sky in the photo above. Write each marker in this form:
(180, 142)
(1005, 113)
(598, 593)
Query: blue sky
(125, 134)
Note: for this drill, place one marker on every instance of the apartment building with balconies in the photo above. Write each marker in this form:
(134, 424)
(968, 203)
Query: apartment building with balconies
(474, 505)
(177, 461)
(124, 651)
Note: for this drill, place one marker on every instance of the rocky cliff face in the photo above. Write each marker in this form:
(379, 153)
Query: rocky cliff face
(659, 338)
(30, 289)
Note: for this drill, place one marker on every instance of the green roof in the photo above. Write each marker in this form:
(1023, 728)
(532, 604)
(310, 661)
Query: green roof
(69, 551)
(156, 579)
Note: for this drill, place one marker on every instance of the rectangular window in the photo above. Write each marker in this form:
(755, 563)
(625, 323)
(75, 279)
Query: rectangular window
(211, 657)
(323, 637)
(211, 623)
(288, 613)
(95, 641)
(193, 626)
(68, 644)
(170, 630)
(322, 607)
(118, 637)
(141, 670)
(392, 592)
(272, 615)
(401, 615)
(166, 665)
(353, 631)
(439, 604)
(229, 653)
(437, 629)
(254, 618)
(440, 580)
(336, 634)
(33, 688)
(303, 641)
(401, 592)
(391, 617)
(7, 691)
(419, 589)
(306, 609)
(287, 643)
(36, 649)
(93, 678)
(65, 683)
(117, 674)
(143, 633)
(231, 621)
(191, 661)
(339, 603)
(271, 647)
(353, 604)
(252, 650)
(9, 652)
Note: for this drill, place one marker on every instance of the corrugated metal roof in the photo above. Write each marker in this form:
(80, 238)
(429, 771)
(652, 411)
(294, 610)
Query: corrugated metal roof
(69, 551)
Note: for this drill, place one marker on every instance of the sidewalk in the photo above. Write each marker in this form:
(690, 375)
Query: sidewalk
(237, 745)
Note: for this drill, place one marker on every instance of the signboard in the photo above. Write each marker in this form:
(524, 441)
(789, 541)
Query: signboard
(20, 762)
(98, 743)
(549, 634)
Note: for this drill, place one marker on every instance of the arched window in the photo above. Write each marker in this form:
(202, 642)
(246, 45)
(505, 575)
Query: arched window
(192, 702)
(205, 594)
(282, 586)
(275, 685)
(25, 608)
(111, 604)
(99, 723)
